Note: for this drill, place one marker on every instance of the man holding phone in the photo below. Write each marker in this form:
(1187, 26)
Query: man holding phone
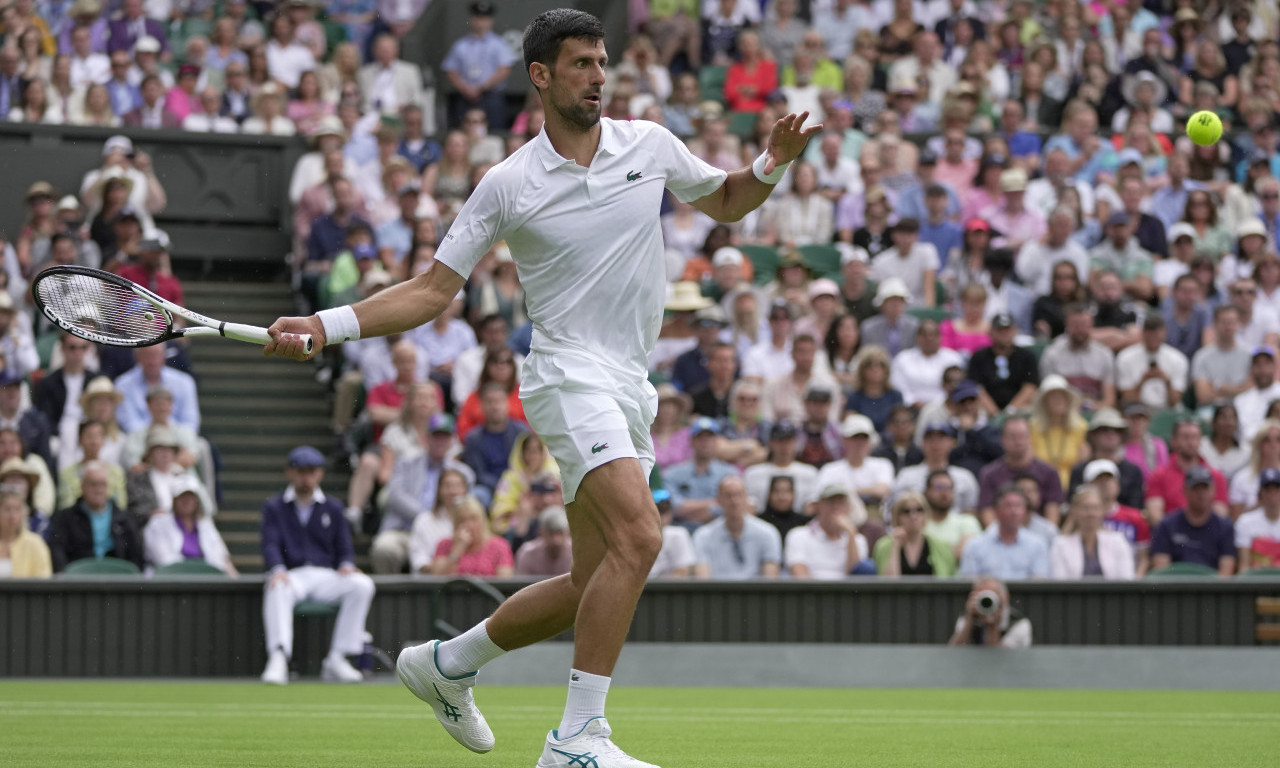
(1151, 371)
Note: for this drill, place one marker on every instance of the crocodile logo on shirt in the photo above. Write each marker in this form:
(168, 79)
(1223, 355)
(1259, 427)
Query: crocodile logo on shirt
(634, 175)
(598, 447)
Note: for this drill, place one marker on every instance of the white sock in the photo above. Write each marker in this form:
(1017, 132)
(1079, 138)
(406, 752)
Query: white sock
(586, 700)
(467, 652)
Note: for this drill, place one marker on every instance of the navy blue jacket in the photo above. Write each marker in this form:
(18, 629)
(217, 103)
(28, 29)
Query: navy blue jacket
(325, 542)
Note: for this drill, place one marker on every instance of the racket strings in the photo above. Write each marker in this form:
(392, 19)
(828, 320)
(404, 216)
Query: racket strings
(101, 307)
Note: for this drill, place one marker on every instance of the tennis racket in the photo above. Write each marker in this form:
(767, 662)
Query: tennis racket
(108, 309)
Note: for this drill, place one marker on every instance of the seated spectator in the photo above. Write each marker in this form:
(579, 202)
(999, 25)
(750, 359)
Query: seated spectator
(434, 524)
(1106, 442)
(500, 367)
(1092, 549)
(892, 329)
(30, 424)
(1152, 371)
(783, 394)
(487, 447)
(551, 553)
(206, 115)
(977, 439)
(330, 233)
(472, 550)
(1195, 533)
(1165, 486)
(1144, 450)
(868, 477)
(93, 435)
(443, 339)
(1086, 364)
(819, 436)
(677, 557)
(306, 549)
(1115, 318)
(908, 550)
(669, 433)
(1220, 370)
(23, 554)
(736, 545)
(938, 443)
(781, 463)
(694, 483)
(944, 523)
(28, 469)
(151, 110)
(530, 461)
(1121, 253)
(57, 394)
(997, 624)
(1034, 523)
(187, 532)
(1057, 428)
(100, 403)
(829, 547)
(917, 372)
(913, 262)
(1103, 476)
(899, 444)
(134, 384)
(773, 357)
(712, 397)
(150, 485)
(744, 434)
(1253, 403)
(875, 396)
(1257, 531)
(781, 509)
(493, 331)
(1049, 312)
(970, 332)
(1008, 550)
(1006, 374)
(95, 527)
(1018, 459)
(17, 345)
(1186, 316)
(160, 407)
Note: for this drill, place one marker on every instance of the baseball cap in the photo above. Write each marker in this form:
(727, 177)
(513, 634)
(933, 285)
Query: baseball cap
(482, 8)
(712, 315)
(1119, 218)
(727, 256)
(927, 157)
(412, 188)
(818, 391)
(704, 424)
(1107, 418)
(10, 376)
(851, 253)
(1181, 229)
(1198, 475)
(977, 225)
(856, 424)
(128, 212)
(304, 457)
(147, 44)
(1137, 409)
(939, 427)
(1099, 467)
(117, 144)
(823, 287)
(364, 251)
(781, 304)
(1269, 476)
(440, 422)
(833, 490)
(1264, 350)
(1128, 155)
(782, 429)
(660, 495)
(963, 391)
(891, 288)
(1003, 320)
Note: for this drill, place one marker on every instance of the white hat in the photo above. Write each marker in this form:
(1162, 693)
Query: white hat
(893, 287)
(686, 296)
(1181, 229)
(1098, 467)
(1129, 86)
(1251, 226)
(69, 203)
(117, 144)
(1054, 382)
(147, 44)
(823, 287)
(851, 253)
(1013, 180)
(727, 257)
(857, 424)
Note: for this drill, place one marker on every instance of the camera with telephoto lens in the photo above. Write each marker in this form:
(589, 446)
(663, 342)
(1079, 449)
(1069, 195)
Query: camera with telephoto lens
(988, 603)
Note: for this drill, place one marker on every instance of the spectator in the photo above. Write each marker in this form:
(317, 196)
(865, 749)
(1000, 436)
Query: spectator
(435, 524)
(237, 97)
(971, 331)
(1106, 438)
(772, 357)
(677, 557)
(1257, 531)
(206, 117)
(150, 269)
(530, 460)
(737, 545)
(1085, 363)
(1195, 533)
(268, 113)
(856, 291)
(92, 437)
(821, 441)
(908, 550)
(1019, 459)
(132, 27)
(551, 554)
(500, 368)
(669, 433)
(780, 507)
(1057, 429)
(1008, 550)
(152, 110)
(99, 403)
(913, 262)
(307, 552)
(1092, 549)
(1144, 450)
(153, 483)
(17, 345)
(998, 626)
(1222, 448)
(899, 445)
(1152, 371)
(694, 483)
(692, 368)
(829, 547)
(477, 66)
(493, 332)
(1253, 403)
(287, 59)
(1017, 223)
(186, 533)
(875, 396)
(23, 553)
(783, 394)
(150, 370)
(781, 463)
(487, 447)
(1165, 485)
(160, 408)
(95, 527)
(751, 78)
(443, 339)
(867, 476)
(31, 425)
(938, 443)
(917, 371)
(893, 329)
(1007, 375)
(1264, 453)
(1221, 370)
(712, 397)
(472, 550)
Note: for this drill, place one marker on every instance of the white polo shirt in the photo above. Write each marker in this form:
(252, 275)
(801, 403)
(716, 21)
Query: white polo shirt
(825, 557)
(587, 242)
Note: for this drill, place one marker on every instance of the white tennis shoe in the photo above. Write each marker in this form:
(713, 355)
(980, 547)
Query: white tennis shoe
(450, 698)
(277, 669)
(589, 748)
(338, 670)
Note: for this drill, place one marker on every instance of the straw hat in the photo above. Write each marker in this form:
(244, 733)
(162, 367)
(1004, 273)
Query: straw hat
(40, 189)
(100, 386)
(1056, 383)
(159, 436)
(114, 172)
(667, 391)
(1129, 87)
(22, 467)
(686, 296)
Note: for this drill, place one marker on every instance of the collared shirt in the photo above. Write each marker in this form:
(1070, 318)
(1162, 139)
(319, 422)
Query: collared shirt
(737, 558)
(94, 68)
(687, 483)
(825, 557)
(1036, 261)
(1026, 558)
(124, 96)
(443, 346)
(132, 412)
(477, 59)
(304, 510)
(1168, 203)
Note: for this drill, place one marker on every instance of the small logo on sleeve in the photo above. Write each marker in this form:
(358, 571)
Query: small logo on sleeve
(634, 175)
(598, 447)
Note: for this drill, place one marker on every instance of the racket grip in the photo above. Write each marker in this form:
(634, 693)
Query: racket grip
(254, 334)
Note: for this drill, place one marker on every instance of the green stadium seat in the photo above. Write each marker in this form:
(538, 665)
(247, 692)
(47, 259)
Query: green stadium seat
(44, 347)
(764, 260)
(936, 314)
(107, 566)
(711, 82)
(188, 567)
(1162, 422)
(315, 608)
(742, 124)
(1183, 569)
(823, 260)
(1261, 573)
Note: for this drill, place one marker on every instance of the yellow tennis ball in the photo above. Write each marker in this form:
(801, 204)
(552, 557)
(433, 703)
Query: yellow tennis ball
(1204, 128)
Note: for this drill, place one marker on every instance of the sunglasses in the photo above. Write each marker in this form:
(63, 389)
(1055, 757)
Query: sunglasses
(913, 510)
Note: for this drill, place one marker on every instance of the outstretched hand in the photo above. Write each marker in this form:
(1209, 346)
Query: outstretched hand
(788, 139)
(286, 340)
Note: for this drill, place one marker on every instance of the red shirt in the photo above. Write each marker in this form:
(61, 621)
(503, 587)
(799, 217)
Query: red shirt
(1131, 523)
(470, 415)
(165, 286)
(1167, 483)
(745, 89)
(495, 553)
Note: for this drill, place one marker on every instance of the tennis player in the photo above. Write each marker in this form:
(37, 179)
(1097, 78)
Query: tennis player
(578, 206)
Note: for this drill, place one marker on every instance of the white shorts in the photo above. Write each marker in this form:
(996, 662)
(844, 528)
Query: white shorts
(587, 414)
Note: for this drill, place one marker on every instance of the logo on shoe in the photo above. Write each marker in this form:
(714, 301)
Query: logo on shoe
(598, 447)
(584, 760)
(447, 709)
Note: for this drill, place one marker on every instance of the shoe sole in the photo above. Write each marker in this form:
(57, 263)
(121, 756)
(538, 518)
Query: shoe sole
(402, 671)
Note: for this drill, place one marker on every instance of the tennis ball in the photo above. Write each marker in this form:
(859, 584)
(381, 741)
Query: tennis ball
(1204, 128)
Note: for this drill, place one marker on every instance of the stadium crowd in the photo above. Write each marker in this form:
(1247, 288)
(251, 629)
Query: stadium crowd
(1003, 318)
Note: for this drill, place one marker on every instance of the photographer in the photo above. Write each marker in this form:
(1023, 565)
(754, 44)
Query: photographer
(990, 620)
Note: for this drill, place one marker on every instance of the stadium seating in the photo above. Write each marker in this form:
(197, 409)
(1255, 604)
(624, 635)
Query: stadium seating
(1178, 570)
(184, 568)
(764, 260)
(106, 566)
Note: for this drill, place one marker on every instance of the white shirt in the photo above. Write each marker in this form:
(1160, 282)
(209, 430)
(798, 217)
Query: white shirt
(677, 552)
(1035, 262)
(466, 372)
(874, 471)
(765, 361)
(286, 63)
(922, 257)
(804, 479)
(428, 531)
(919, 376)
(280, 126)
(94, 68)
(1042, 196)
(914, 477)
(1263, 321)
(587, 242)
(1255, 525)
(1251, 407)
(198, 122)
(1133, 361)
(826, 558)
(846, 176)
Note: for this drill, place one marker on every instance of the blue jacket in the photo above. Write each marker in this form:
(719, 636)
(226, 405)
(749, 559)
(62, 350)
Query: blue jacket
(324, 542)
(489, 468)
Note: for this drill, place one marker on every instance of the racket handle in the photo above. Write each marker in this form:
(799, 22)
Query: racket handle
(254, 334)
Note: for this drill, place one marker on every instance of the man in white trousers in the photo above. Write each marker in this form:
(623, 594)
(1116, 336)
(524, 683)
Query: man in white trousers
(306, 549)
(578, 207)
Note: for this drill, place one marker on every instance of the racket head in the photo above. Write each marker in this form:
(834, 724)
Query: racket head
(101, 307)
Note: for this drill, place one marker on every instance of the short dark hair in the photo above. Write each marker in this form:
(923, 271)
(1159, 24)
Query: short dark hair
(489, 319)
(1223, 309)
(1077, 308)
(1010, 489)
(928, 481)
(543, 36)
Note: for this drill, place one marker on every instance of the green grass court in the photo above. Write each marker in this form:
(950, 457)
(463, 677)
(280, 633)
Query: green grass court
(103, 725)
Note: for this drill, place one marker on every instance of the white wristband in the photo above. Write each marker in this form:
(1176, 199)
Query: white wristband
(340, 324)
(779, 170)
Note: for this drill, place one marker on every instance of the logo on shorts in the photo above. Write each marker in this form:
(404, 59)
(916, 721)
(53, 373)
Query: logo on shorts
(634, 175)
(598, 447)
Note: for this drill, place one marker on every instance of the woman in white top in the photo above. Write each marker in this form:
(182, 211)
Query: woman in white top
(803, 216)
(186, 532)
(1242, 493)
(1092, 550)
(268, 114)
(431, 528)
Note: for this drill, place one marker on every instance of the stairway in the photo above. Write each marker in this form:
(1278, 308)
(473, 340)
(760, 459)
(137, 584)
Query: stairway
(255, 410)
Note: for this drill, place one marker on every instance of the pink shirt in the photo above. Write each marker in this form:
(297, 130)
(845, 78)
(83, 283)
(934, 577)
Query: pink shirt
(673, 450)
(962, 342)
(959, 176)
(495, 553)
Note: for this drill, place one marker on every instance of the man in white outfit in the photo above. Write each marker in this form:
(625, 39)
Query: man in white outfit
(578, 206)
